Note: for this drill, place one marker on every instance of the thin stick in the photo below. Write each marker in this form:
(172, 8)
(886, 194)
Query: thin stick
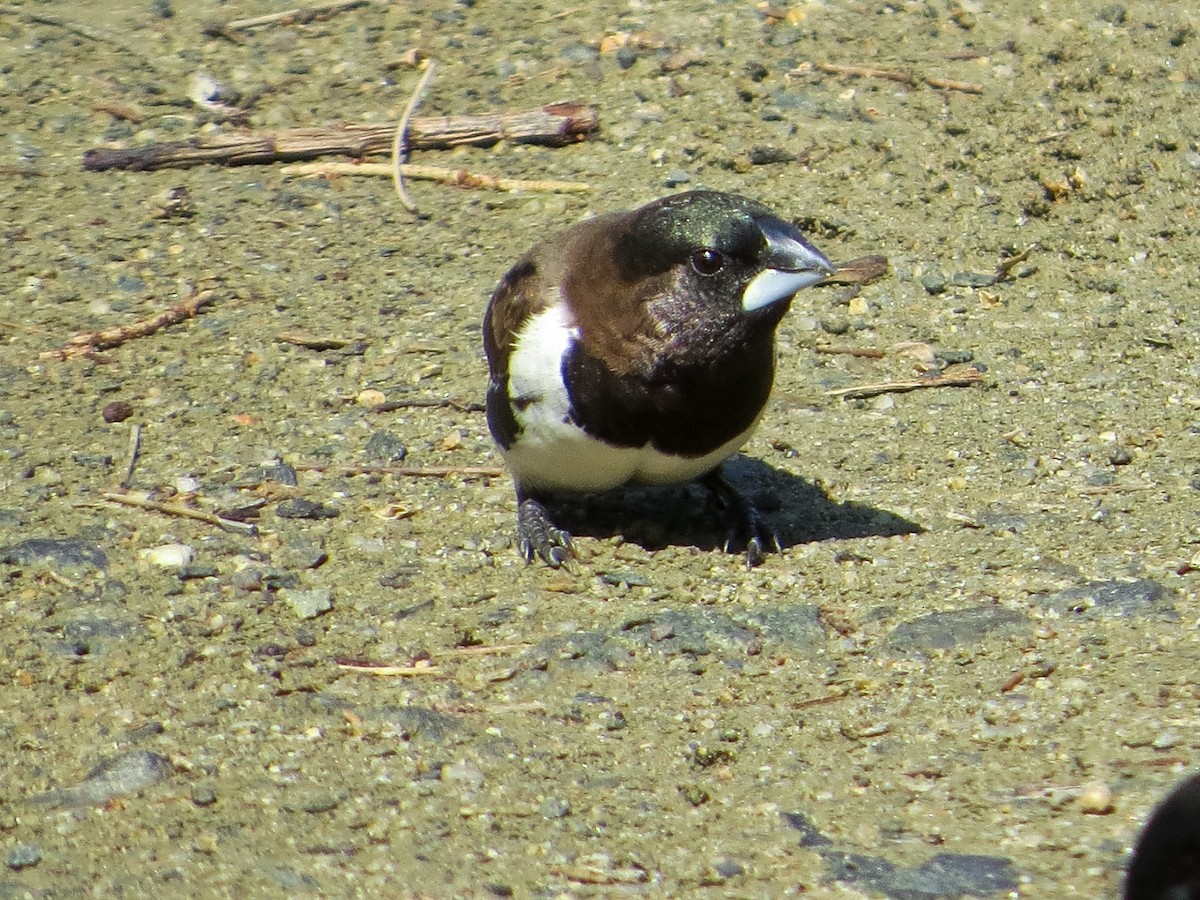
(457, 177)
(400, 141)
(898, 75)
(183, 512)
(865, 352)
(135, 450)
(862, 270)
(89, 342)
(554, 125)
(300, 16)
(408, 471)
(381, 669)
(964, 378)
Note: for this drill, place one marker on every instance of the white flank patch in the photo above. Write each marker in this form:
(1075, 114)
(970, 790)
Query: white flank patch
(551, 452)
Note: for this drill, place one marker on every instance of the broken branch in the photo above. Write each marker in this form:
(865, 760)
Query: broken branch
(555, 125)
(958, 378)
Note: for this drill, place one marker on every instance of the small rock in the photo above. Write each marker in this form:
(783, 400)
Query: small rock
(555, 808)
(809, 835)
(386, 447)
(22, 856)
(169, 556)
(203, 795)
(309, 604)
(463, 772)
(69, 556)
(1096, 799)
(116, 776)
(117, 411)
(955, 628)
(300, 508)
(1113, 598)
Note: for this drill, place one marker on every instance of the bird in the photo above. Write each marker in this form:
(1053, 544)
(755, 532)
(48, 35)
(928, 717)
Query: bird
(1166, 859)
(638, 347)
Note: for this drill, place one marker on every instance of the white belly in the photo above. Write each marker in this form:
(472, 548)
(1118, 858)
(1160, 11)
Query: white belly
(553, 453)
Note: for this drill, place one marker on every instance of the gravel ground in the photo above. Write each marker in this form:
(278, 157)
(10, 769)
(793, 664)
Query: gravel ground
(972, 670)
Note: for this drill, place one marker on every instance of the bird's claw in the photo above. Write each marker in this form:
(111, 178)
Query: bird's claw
(537, 536)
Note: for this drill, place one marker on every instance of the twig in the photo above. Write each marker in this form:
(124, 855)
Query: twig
(555, 125)
(408, 471)
(1004, 269)
(865, 352)
(301, 16)
(400, 141)
(863, 270)
(898, 75)
(964, 378)
(313, 342)
(382, 669)
(90, 342)
(135, 450)
(457, 177)
(183, 512)
(388, 406)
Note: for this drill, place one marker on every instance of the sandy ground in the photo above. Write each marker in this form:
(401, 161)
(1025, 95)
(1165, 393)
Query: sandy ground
(971, 671)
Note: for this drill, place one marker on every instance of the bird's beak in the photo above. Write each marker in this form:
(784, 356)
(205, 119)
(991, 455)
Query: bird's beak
(791, 263)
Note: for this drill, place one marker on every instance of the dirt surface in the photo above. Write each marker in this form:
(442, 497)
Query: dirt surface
(972, 670)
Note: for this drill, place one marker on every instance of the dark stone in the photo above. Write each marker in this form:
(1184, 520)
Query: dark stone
(934, 283)
(974, 279)
(765, 156)
(955, 628)
(23, 856)
(386, 447)
(117, 776)
(62, 554)
(1113, 598)
(117, 411)
(300, 508)
(809, 835)
(946, 875)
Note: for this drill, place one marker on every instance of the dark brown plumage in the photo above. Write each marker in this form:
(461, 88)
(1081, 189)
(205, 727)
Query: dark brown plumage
(638, 347)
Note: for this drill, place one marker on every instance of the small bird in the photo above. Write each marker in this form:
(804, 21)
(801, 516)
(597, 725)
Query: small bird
(1166, 860)
(639, 348)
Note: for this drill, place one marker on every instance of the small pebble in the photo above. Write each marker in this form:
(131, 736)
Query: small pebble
(370, 397)
(169, 556)
(1096, 799)
(23, 856)
(117, 411)
(309, 604)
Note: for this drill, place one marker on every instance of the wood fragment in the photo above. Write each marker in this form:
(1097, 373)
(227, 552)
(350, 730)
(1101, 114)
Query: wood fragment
(864, 352)
(182, 512)
(88, 343)
(1004, 269)
(135, 451)
(863, 270)
(314, 342)
(299, 16)
(400, 140)
(951, 378)
(408, 471)
(456, 177)
(898, 75)
(388, 406)
(554, 125)
(385, 670)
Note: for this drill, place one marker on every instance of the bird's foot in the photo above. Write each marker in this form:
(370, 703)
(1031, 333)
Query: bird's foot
(748, 529)
(538, 536)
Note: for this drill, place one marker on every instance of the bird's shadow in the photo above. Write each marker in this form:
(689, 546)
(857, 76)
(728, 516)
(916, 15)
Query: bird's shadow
(799, 511)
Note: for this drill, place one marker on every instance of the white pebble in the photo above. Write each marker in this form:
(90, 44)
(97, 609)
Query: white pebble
(169, 556)
(1096, 799)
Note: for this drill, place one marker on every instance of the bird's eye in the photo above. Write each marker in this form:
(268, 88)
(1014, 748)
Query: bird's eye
(708, 261)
